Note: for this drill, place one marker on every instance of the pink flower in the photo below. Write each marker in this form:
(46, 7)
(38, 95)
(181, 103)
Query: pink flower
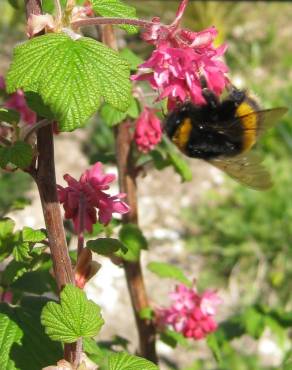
(81, 199)
(190, 313)
(6, 297)
(148, 130)
(179, 61)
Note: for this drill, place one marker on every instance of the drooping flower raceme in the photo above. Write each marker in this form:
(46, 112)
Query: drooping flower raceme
(82, 199)
(180, 60)
(148, 130)
(191, 314)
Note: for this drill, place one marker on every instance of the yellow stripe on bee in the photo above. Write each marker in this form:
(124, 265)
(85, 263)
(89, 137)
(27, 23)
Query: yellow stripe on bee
(249, 122)
(182, 134)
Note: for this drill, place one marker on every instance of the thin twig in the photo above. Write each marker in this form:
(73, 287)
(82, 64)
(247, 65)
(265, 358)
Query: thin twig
(27, 131)
(81, 217)
(58, 11)
(112, 20)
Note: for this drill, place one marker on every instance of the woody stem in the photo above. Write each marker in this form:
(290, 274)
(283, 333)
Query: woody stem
(45, 178)
(128, 185)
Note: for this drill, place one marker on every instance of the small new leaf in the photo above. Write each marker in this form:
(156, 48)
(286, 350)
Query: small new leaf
(71, 76)
(177, 161)
(20, 154)
(33, 236)
(106, 246)
(112, 116)
(124, 361)
(131, 236)
(116, 8)
(9, 115)
(6, 228)
(213, 344)
(165, 270)
(133, 59)
(73, 318)
(173, 338)
(21, 252)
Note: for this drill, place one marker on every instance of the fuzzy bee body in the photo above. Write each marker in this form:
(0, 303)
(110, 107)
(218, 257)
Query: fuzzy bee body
(223, 133)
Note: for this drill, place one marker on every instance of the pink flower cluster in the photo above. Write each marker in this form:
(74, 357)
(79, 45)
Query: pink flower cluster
(17, 102)
(191, 314)
(180, 60)
(81, 199)
(148, 130)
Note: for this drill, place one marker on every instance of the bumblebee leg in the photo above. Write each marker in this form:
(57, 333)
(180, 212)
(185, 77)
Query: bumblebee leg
(210, 97)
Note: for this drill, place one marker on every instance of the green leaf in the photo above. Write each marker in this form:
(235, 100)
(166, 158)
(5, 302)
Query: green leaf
(71, 76)
(73, 318)
(10, 333)
(112, 116)
(35, 103)
(124, 361)
(12, 272)
(106, 246)
(254, 322)
(7, 238)
(116, 8)
(31, 235)
(159, 160)
(97, 353)
(21, 252)
(48, 6)
(131, 236)
(133, 59)
(173, 338)
(146, 313)
(20, 154)
(9, 115)
(177, 161)
(166, 270)
(6, 228)
(214, 347)
(36, 282)
(36, 350)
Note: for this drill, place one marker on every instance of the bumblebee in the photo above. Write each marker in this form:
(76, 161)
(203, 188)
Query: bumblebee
(223, 132)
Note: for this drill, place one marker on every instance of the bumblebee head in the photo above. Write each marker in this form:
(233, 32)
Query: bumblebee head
(236, 96)
(174, 119)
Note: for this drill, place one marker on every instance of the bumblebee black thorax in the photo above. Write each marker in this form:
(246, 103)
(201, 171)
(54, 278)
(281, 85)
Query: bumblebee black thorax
(211, 130)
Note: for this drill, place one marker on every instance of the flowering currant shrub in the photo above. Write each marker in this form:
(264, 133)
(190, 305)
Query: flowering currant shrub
(57, 81)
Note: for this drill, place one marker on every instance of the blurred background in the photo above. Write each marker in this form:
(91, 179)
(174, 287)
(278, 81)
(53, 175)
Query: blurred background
(223, 235)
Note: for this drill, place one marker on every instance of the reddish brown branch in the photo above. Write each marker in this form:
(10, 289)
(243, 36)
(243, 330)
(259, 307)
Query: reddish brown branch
(127, 184)
(133, 270)
(45, 178)
(46, 181)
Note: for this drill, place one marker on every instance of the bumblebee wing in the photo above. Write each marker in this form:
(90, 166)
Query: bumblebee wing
(258, 121)
(268, 118)
(246, 169)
